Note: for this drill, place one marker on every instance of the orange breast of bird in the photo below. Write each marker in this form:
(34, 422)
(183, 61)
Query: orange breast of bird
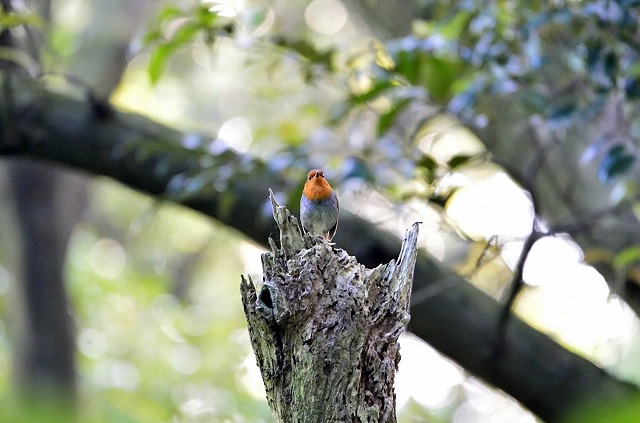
(317, 189)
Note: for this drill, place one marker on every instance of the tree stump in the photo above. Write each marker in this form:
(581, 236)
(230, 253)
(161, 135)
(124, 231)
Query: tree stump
(325, 329)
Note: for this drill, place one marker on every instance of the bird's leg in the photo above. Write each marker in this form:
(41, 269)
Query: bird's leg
(327, 238)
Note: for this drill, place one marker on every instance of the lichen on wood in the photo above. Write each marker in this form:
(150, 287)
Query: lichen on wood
(325, 329)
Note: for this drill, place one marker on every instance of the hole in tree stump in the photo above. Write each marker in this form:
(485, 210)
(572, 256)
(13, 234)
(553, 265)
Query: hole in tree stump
(265, 297)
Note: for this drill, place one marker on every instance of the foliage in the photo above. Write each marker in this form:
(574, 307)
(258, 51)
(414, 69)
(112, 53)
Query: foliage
(625, 411)
(560, 61)
(140, 281)
(13, 19)
(176, 27)
(158, 338)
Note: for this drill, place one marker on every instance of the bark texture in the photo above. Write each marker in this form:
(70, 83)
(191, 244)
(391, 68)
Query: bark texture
(325, 328)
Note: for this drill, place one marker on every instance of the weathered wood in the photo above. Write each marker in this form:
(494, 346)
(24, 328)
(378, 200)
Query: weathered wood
(325, 328)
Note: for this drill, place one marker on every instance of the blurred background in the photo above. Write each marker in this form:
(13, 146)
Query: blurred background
(483, 121)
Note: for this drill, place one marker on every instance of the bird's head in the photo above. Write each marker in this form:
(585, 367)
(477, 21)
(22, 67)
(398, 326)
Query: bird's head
(315, 173)
(317, 187)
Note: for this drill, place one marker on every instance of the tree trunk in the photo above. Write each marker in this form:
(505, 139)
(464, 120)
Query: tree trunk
(325, 329)
(48, 203)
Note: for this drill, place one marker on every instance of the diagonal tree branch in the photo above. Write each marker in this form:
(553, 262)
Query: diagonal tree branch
(447, 312)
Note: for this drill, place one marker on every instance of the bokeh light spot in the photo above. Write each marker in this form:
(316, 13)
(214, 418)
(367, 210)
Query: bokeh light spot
(92, 343)
(185, 359)
(326, 17)
(225, 8)
(118, 374)
(493, 206)
(420, 362)
(237, 133)
(107, 258)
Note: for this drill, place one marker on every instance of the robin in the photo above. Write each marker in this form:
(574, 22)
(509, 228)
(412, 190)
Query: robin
(319, 206)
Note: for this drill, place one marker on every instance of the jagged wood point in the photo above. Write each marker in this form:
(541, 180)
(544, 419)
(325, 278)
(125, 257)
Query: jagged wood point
(325, 329)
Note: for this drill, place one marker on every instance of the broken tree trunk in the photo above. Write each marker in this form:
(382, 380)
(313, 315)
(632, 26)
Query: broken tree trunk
(325, 329)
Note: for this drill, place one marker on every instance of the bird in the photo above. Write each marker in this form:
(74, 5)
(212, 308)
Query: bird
(319, 207)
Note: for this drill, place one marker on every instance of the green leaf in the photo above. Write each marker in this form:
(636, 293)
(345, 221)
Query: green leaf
(634, 70)
(441, 199)
(169, 12)
(624, 410)
(593, 56)
(617, 161)
(378, 88)
(151, 37)
(632, 88)
(308, 51)
(610, 64)
(428, 162)
(155, 33)
(13, 19)
(406, 64)
(453, 29)
(424, 68)
(386, 119)
(563, 111)
(457, 161)
(17, 57)
(534, 101)
(186, 33)
(627, 257)
(205, 17)
(438, 75)
(203, 21)
(620, 166)
(427, 167)
(157, 63)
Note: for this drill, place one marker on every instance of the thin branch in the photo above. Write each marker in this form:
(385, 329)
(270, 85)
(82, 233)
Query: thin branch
(517, 282)
(590, 220)
(484, 257)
